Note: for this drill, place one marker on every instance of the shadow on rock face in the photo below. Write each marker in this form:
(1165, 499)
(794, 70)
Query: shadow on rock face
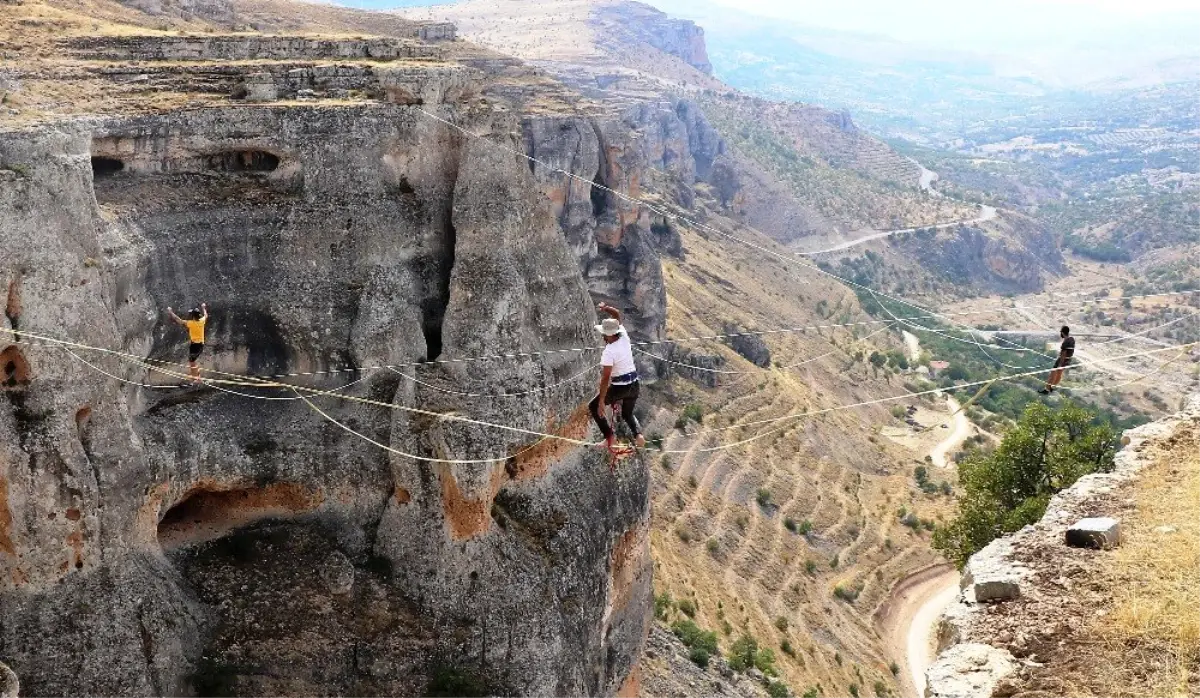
(205, 515)
(296, 613)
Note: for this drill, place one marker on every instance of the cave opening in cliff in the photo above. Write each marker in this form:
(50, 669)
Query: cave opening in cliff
(12, 307)
(433, 310)
(250, 161)
(14, 369)
(205, 513)
(599, 200)
(106, 167)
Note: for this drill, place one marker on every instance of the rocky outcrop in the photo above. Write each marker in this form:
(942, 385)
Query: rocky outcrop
(968, 670)
(218, 11)
(973, 659)
(970, 256)
(751, 347)
(203, 541)
(681, 38)
(255, 47)
(10, 687)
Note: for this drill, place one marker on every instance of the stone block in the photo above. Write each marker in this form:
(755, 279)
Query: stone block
(260, 87)
(992, 575)
(997, 589)
(969, 670)
(1101, 532)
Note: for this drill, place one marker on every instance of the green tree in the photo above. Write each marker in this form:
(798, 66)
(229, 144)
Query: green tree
(1001, 491)
(695, 638)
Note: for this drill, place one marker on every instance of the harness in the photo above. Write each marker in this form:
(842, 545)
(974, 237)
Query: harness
(624, 379)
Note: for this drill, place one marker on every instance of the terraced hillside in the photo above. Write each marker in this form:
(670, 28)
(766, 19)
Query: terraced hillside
(762, 536)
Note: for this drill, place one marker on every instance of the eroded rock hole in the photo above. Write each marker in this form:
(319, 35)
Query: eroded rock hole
(206, 514)
(12, 308)
(405, 187)
(14, 369)
(599, 201)
(106, 167)
(83, 422)
(243, 161)
(433, 311)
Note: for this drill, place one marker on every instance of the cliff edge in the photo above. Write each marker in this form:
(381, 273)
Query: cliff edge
(1033, 610)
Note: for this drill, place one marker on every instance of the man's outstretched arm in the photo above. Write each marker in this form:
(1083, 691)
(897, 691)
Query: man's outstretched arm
(613, 312)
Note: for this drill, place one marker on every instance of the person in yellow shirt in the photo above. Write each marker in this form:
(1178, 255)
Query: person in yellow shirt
(195, 327)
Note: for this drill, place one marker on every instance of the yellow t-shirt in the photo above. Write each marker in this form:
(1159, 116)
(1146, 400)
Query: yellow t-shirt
(195, 330)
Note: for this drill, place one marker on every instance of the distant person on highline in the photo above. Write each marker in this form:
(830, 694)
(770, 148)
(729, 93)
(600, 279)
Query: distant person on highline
(1065, 352)
(618, 377)
(197, 318)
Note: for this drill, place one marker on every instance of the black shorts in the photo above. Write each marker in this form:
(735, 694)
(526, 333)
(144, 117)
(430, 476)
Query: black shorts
(194, 350)
(619, 393)
(1062, 362)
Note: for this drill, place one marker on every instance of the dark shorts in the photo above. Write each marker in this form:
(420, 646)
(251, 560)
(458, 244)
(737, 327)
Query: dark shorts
(194, 350)
(1062, 362)
(617, 393)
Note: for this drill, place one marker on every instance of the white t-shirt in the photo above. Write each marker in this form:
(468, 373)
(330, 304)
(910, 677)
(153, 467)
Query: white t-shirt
(619, 355)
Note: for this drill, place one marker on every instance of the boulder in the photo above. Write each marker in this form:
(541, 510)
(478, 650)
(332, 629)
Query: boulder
(967, 671)
(9, 686)
(991, 575)
(1101, 532)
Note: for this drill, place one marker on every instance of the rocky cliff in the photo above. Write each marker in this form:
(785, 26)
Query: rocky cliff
(198, 541)
(664, 147)
(1010, 254)
(638, 22)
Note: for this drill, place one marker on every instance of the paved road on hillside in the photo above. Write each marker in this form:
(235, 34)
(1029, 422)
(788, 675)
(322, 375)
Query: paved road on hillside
(986, 213)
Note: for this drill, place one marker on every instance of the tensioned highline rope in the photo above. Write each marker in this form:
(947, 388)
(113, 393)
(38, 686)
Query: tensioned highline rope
(907, 395)
(566, 350)
(315, 392)
(264, 383)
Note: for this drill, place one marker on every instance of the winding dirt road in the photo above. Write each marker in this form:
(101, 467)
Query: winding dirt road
(958, 434)
(908, 619)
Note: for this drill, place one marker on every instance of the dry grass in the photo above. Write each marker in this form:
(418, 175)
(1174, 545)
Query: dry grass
(1138, 635)
(1150, 639)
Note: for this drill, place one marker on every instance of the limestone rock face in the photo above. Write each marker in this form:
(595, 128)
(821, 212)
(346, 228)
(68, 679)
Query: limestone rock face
(677, 37)
(618, 242)
(1099, 532)
(220, 11)
(991, 576)
(968, 671)
(201, 540)
(978, 256)
(10, 687)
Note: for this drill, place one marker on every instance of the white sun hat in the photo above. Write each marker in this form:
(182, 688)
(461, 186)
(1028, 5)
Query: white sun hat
(609, 327)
